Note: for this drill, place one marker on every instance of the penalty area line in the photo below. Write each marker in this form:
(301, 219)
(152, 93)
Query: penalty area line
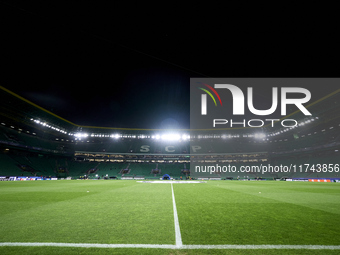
(171, 246)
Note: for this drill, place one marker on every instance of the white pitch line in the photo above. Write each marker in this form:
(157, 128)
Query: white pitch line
(264, 247)
(171, 246)
(91, 245)
(179, 242)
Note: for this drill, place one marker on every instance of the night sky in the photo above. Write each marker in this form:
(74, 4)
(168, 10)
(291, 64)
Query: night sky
(129, 64)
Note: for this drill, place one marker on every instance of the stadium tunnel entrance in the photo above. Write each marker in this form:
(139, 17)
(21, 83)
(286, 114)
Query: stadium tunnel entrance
(166, 177)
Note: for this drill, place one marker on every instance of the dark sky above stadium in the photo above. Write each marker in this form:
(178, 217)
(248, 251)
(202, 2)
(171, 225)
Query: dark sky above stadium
(128, 64)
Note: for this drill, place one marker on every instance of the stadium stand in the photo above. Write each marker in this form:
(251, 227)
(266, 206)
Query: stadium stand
(34, 141)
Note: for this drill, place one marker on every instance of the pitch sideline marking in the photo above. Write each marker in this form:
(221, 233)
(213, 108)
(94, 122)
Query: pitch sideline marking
(179, 242)
(171, 246)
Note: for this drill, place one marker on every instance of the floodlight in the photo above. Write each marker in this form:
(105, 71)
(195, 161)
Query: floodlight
(79, 135)
(260, 135)
(184, 136)
(171, 137)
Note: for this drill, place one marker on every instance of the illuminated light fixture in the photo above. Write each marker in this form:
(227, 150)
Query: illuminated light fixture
(171, 137)
(157, 137)
(260, 135)
(80, 135)
(184, 136)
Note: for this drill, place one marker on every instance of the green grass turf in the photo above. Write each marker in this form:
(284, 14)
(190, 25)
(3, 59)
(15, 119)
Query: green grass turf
(217, 212)
(232, 212)
(63, 211)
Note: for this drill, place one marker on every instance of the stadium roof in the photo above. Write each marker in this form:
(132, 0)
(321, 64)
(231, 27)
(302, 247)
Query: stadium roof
(21, 110)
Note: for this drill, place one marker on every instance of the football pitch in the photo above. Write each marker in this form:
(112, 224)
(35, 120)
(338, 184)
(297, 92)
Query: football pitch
(129, 217)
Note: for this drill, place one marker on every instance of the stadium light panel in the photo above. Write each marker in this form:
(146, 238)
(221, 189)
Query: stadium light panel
(184, 137)
(260, 136)
(171, 137)
(80, 135)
